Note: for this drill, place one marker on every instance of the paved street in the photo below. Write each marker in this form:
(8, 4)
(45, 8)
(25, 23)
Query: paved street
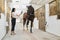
(26, 35)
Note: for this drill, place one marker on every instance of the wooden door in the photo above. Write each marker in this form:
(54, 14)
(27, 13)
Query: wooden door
(41, 16)
(58, 9)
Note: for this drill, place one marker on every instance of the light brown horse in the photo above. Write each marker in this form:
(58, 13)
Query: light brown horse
(28, 18)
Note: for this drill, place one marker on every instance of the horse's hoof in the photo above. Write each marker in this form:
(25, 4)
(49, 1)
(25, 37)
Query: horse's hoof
(27, 29)
(23, 29)
(30, 30)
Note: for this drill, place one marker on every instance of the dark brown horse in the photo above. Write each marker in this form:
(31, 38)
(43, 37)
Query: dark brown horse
(29, 16)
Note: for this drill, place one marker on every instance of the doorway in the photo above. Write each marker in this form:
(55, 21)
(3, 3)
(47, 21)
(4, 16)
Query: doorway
(40, 14)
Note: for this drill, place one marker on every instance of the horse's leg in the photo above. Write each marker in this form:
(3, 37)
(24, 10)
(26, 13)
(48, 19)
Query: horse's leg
(31, 26)
(24, 21)
(27, 24)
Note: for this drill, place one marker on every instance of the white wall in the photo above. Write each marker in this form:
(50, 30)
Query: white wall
(2, 26)
(53, 24)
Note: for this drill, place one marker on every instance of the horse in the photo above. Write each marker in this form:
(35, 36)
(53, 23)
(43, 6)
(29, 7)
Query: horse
(27, 18)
